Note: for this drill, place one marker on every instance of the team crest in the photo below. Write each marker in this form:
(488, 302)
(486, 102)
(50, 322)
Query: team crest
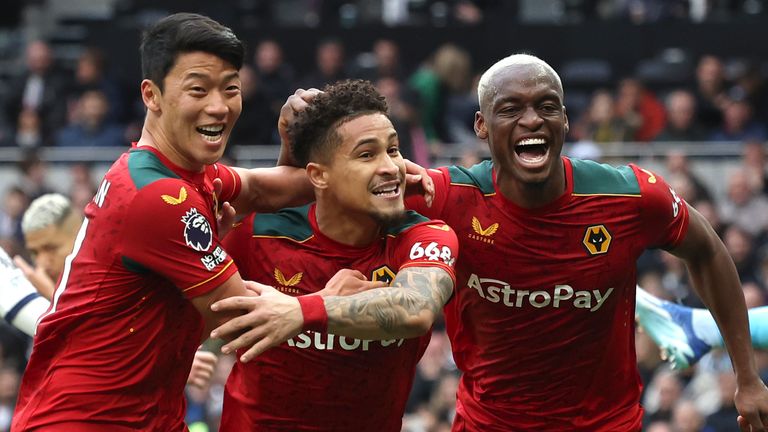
(172, 200)
(287, 282)
(197, 231)
(597, 239)
(384, 274)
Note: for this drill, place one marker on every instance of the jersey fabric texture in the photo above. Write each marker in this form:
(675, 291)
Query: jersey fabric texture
(320, 381)
(114, 350)
(542, 322)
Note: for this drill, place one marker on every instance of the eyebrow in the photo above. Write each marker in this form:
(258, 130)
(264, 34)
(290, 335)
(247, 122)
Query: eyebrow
(198, 75)
(374, 141)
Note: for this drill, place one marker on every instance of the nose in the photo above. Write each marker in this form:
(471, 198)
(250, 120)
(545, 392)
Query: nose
(388, 165)
(530, 119)
(217, 104)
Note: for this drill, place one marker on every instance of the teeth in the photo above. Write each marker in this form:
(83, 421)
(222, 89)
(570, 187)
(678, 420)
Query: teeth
(388, 191)
(531, 141)
(214, 129)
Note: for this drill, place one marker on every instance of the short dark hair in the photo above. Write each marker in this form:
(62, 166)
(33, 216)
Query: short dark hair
(313, 134)
(181, 33)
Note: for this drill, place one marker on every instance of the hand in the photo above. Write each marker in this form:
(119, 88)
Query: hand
(43, 283)
(270, 319)
(347, 282)
(225, 219)
(295, 104)
(418, 181)
(202, 369)
(752, 403)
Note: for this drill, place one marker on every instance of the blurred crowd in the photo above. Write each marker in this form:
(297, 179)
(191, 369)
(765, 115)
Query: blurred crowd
(432, 106)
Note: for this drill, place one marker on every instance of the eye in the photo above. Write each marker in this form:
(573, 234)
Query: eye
(197, 90)
(393, 151)
(550, 108)
(365, 155)
(233, 88)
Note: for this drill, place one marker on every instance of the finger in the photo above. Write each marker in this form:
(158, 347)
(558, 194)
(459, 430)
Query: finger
(412, 179)
(233, 303)
(244, 340)
(429, 190)
(752, 419)
(258, 288)
(206, 357)
(217, 186)
(256, 350)
(234, 327)
(22, 264)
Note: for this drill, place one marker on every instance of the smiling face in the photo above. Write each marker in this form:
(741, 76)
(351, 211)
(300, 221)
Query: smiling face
(192, 118)
(523, 119)
(366, 174)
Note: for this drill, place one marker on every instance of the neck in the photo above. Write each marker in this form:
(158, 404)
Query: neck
(342, 226)
(155, 138)
(532, 195)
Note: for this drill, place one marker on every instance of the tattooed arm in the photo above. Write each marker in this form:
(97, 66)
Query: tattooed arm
(407, 309)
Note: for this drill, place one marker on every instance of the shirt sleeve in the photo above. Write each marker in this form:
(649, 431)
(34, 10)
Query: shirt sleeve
(171, 231)
(231, 182)
(442, 181)
(429, 244)
(664, 213)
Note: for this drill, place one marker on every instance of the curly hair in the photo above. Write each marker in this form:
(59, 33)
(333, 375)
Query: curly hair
(313, 134)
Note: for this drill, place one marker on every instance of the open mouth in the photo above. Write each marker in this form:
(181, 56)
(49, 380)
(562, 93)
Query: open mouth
(532, 151)
(211, 133)
(387, 190)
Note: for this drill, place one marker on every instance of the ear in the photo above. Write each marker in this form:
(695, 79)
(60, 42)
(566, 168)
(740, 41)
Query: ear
(480, 129)
(567, 125)
(150, 95)
(318, 175)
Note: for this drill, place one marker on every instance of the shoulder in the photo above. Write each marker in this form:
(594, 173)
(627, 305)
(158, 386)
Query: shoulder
(144, 168)
(593, 178)
(291, 223)
(479, 176)
(410, 220)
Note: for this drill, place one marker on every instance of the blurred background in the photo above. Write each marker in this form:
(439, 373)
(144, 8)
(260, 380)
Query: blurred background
(678, 86)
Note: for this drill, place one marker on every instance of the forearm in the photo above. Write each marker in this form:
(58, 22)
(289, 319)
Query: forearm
(271, 189)
(717, 284)
(407, 309)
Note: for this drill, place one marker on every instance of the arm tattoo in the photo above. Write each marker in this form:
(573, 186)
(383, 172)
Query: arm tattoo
(394, 311)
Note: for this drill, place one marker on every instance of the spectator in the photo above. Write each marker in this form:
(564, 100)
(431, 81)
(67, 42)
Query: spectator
(687, 418)
(738, 123)
(722, 419)
(382, 62)
(330, 65)
(404, 114)
(681, 119)
(662, 395)
(640, 109)
(710, 91)
(274, 78)
(41, 89)
(257, 121)
(91, 126)
(744, 206)
(9, 389)
(447, 72)
(740, 245)
(29, 133)
(600, 124)
(677, 164)
(90, 74)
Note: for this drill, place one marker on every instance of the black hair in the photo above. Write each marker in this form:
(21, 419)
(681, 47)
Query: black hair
(313, 134)
(181, 33)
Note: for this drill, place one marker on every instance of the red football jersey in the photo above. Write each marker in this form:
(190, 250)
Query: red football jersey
(542, 322)
(115, 348)
(320, 381)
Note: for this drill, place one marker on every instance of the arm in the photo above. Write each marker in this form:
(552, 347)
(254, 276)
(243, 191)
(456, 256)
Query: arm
(715, 279)
(232, 287)
(271, 189)
(407, 309)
